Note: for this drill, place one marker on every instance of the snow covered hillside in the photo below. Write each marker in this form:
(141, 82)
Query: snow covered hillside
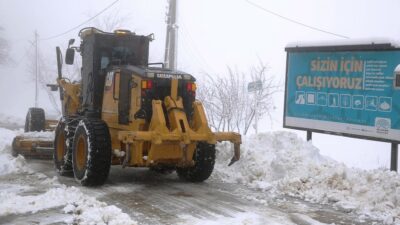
(281, 163)
(23, 197)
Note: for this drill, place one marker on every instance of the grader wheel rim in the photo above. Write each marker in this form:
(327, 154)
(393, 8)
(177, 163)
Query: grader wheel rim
(81, 153)
(60, 146)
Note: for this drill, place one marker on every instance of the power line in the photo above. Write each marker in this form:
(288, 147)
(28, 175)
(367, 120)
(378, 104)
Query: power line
(294, 21)
(189, 52)
(186, 37)
(86, 21)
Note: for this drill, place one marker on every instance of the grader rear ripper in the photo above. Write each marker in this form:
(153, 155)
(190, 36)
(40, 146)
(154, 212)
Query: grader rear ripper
(128, 112)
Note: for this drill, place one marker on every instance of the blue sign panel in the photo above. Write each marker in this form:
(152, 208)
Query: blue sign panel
(345, 92)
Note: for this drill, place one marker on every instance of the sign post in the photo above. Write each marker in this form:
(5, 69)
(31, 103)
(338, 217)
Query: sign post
(254, 87)
(394, 157)
(309, 135)
(348, 90)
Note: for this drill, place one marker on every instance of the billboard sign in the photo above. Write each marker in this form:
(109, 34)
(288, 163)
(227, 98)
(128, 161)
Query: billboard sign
(347, 90)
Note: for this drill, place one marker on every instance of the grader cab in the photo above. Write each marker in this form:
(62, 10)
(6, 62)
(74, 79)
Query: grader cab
(127, 112)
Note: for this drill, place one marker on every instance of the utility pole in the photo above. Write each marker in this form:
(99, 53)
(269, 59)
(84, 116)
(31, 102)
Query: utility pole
(36, 69)
(171, 36)
(255, 87)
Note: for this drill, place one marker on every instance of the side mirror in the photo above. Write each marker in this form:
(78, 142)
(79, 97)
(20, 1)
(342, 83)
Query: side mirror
(71, 42)
(69, 56)
(151, 37)
(53, 87)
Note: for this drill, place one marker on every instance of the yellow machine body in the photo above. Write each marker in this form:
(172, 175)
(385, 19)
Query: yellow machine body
(125, 112)
(144, 144)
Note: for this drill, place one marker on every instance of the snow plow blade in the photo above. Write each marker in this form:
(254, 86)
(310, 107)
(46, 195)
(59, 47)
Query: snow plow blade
(233, 137)
(31, 146)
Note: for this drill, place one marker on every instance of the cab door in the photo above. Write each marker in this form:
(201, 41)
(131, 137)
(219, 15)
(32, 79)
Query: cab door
(124, 99)
(110, 97)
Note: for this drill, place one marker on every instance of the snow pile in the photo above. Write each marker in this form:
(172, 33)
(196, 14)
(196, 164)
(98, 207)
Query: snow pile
(6, 137)
(14, 199)
(267, 158)
(282, 163)
(85, 209)
(9, 164)
(12, 120)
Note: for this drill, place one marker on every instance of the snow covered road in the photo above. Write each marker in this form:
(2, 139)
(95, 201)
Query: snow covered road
(152, 198)
(260, 189)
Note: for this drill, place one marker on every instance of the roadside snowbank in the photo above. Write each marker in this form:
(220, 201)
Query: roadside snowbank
(15, 198)
(11, 121)
(9, 164)
(282, 163)
(84, 209)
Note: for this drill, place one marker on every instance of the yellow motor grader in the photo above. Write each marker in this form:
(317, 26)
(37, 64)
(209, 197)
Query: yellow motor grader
(127, 112)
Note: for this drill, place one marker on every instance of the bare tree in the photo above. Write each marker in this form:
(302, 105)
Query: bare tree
(4, 49)
(229, 105)
(47, 69)
(46, 74)
(110, 21)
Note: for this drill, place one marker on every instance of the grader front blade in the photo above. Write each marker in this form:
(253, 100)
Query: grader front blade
(34, 145)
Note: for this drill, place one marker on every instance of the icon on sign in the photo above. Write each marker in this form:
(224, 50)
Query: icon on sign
(385, 104)
(371, 103)
(333, 100)
(300, 99)
(345, 101)
(358, 102)
(311, 98)
(321, 98)
(383, 123)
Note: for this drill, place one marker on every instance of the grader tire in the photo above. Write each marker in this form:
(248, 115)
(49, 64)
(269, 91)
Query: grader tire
(35, 120)
(62, 150)
(204, 159)
(91, 155)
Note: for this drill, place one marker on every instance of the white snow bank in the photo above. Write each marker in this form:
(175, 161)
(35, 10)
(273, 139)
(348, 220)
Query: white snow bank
(6, 137)
(267, 158)
(9, 164)
(12, 120)
(85, 209)
(282, 163)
